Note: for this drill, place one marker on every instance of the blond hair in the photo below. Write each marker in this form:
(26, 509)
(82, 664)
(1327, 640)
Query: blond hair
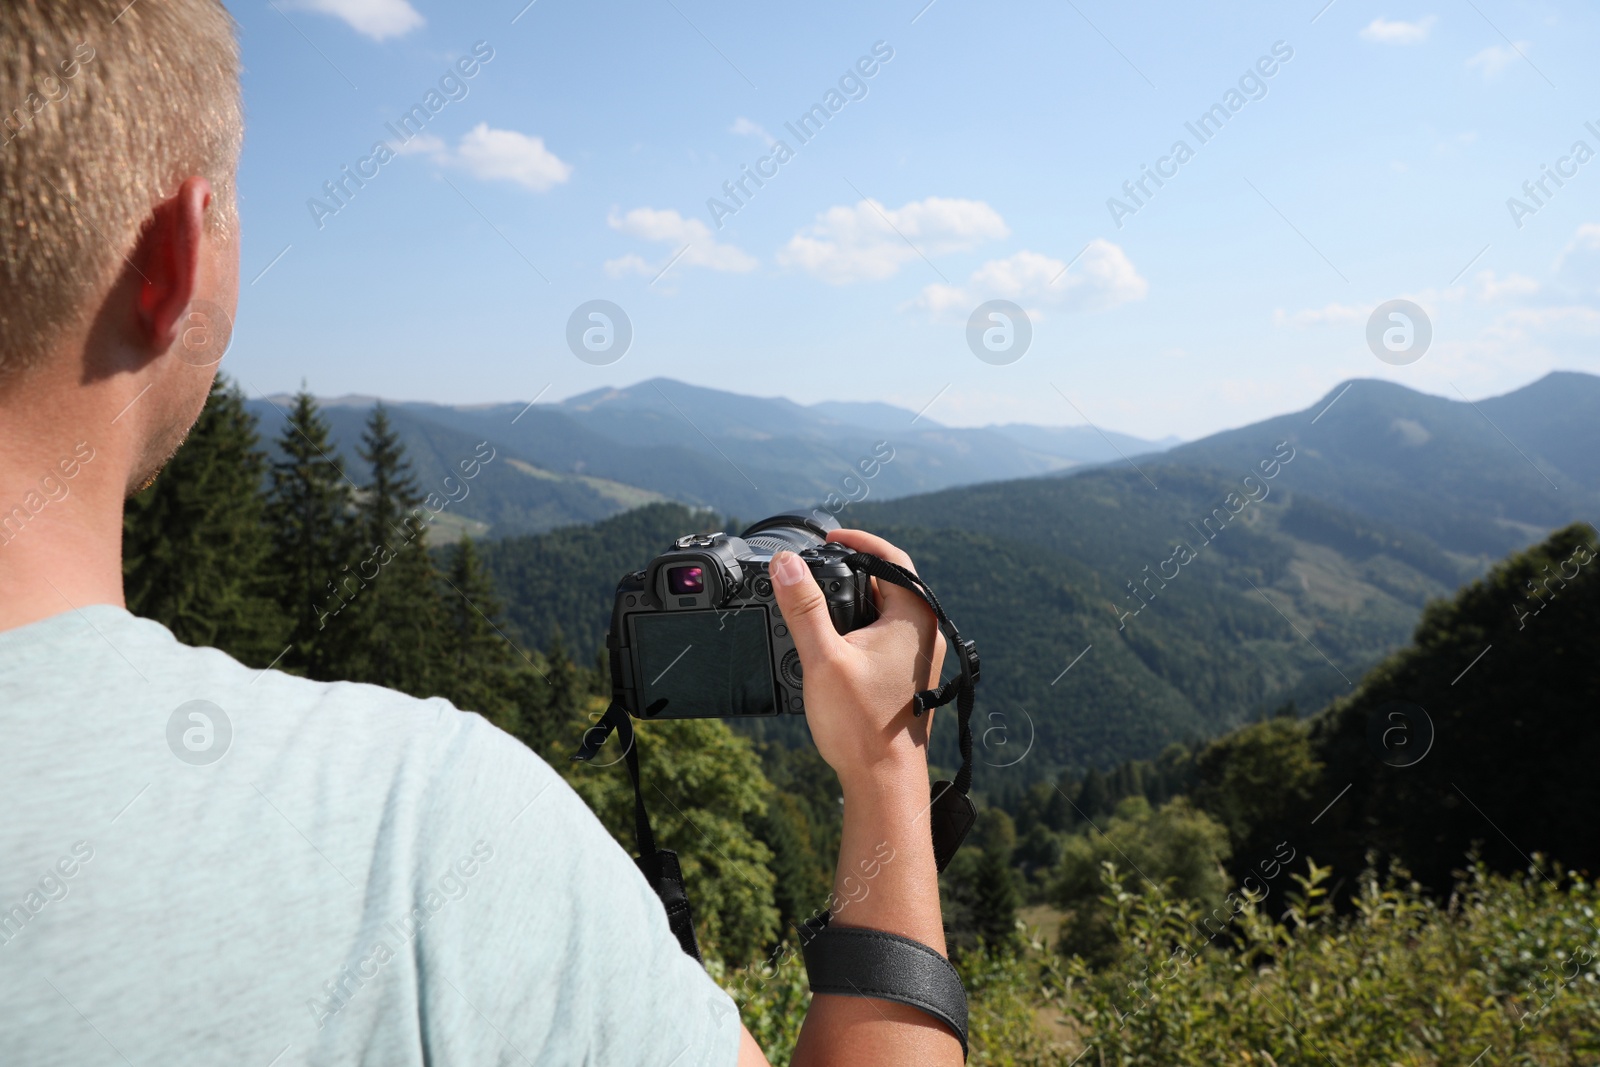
(105, 107)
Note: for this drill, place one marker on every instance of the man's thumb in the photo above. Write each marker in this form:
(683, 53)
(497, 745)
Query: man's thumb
(804, 608)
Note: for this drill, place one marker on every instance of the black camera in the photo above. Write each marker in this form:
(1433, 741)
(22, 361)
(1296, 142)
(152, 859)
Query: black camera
(698, 634)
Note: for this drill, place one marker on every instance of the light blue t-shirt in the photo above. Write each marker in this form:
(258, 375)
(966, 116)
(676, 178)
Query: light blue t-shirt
(201, 863)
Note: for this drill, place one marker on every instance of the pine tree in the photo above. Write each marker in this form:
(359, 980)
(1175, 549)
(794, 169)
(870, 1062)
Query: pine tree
(995, 900)
(1094, 796)
(195, 547)
(994, 888)
(562, 674)
(800, 874)
(308, 512)
(390, 634)
(477, 658)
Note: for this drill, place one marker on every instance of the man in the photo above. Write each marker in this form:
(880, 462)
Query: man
(209, 864)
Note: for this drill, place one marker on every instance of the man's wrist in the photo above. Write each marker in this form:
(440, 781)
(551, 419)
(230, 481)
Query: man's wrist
(888, 789)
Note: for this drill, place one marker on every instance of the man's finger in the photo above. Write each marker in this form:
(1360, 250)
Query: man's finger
(897, 602)
(805, 610)
(862, 541)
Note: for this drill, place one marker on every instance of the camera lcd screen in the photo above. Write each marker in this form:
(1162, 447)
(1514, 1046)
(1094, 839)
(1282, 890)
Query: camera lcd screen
(704, 664)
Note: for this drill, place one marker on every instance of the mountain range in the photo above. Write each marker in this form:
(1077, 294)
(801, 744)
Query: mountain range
(1101, 640)
(1125, 593)
(1480, 478)
(595, 455)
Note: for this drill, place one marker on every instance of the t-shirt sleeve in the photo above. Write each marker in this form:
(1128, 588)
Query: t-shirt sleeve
(553, 949)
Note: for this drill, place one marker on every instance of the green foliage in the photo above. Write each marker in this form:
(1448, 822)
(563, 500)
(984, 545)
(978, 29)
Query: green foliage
(195, 544)
(1264, 767)
(389, 633)
(800, 870)
(1505, 672)
(471, 641)
(1046, 811)
(1175, 850)
(1311, 520)
(802, 827)
(308, 510)
(703, 785)
(1010, 997)
(980, 888)
(1507, 963)
(772, 997)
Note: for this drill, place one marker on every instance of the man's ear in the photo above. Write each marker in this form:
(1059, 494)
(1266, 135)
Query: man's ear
(168, 261)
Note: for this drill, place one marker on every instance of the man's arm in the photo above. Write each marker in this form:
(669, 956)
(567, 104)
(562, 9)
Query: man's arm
(858, 690)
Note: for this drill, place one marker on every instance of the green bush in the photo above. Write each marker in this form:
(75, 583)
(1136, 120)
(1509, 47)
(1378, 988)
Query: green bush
(1175, 850)
(1506, 963)
(705, 784)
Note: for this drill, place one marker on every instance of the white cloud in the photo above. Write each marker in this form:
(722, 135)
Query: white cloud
(691, 240)
(511, 156)
(939, 298)
(1384, 31)
(490, 154)
(377, 19)
(1512, 285)
(868, 242)
(1331, 313)
(1585, 239)
(423, 144)
(1576, 318)
(745, 128)
(1102, 278)
(1486, 287)
(1496, 58)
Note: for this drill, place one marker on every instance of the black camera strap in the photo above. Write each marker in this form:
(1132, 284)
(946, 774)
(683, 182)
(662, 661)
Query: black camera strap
(659, 866)
(951, 811)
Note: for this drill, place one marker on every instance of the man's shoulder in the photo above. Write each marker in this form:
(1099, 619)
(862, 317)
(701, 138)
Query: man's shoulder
(107, 655)
(416, 758)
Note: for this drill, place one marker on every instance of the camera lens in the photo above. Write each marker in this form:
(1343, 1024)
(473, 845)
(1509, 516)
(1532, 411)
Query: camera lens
(686, 581)
(793, 532)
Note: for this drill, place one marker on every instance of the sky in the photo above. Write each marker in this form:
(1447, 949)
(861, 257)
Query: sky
(1320, 161)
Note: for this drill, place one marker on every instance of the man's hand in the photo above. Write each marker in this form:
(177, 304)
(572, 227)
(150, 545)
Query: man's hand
(858, 690)
(858, 686)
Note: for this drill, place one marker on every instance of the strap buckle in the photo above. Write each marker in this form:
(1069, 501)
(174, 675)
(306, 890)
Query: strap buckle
(969, 660)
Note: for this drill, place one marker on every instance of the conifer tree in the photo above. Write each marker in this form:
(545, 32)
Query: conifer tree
(562, 674)
(994, 900)
(980, 889)
(1094, 796)
(308, 512)
(195, 547)
(476, 655)
(390, 634)
(800, 874)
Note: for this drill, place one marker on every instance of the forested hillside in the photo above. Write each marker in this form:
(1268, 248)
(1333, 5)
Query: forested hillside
(1481, 733)
(1040, 570)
